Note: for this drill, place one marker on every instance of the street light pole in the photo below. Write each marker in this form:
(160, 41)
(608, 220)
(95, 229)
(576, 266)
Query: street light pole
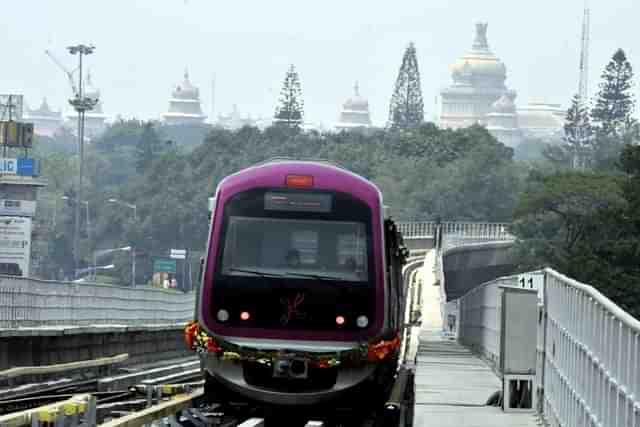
(81, 104)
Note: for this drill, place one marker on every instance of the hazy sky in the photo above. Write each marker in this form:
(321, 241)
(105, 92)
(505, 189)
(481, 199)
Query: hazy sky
(143, 46)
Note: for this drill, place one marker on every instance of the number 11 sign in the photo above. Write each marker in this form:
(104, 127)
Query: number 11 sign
(533, 281)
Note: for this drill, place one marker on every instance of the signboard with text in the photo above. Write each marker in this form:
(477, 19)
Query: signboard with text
(178, 253)
(164, 266)
(15, 245)
(22, 166)
(17, 207)
(16, 134)
(11, 106)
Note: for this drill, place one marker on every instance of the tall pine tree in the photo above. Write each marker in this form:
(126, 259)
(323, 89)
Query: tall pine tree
(290, 111)
(612, 114)
(148, 148)
(407, 108)
(578, 133)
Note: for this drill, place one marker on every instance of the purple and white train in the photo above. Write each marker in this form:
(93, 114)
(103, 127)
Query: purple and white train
(301, 290)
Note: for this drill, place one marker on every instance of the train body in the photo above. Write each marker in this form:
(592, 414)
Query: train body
(301, 292)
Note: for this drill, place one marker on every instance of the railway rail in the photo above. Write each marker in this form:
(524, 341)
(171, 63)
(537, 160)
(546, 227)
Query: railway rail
(123, 391)
(183, 404)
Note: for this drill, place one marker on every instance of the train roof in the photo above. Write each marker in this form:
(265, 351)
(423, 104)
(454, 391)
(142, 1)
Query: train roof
(327, 175)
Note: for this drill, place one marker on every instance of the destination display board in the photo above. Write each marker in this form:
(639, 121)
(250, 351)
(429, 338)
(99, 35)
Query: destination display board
(15, 245)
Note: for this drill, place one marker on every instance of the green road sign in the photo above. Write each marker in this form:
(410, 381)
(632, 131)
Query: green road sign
(164, 265)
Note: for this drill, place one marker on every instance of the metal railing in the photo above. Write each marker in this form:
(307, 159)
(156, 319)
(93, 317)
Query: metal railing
(424, 229)
(26, 302)
(588, 363)
(591, 371)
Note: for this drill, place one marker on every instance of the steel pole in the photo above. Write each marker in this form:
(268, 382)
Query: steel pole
(133, 267)
(76, 232)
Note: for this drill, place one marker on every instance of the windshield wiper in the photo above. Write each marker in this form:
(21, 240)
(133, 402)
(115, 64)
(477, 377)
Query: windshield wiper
(313, 276)
(257, 273)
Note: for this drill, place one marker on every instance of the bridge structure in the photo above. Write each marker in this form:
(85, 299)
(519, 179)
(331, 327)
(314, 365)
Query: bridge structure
(554, 351)
(489, 347)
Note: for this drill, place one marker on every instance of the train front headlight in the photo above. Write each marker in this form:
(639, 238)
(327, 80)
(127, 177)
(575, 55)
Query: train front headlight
(362, 321)
(223, 315)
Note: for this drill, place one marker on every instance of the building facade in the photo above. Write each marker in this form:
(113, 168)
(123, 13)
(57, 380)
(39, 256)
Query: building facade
(355, 113)
(502, 122)
(478, 82)
(479, 95)
(46, 122)
(184, 105)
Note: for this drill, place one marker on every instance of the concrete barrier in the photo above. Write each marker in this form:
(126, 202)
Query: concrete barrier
(468, 266)
(51, 346)
(26, 302)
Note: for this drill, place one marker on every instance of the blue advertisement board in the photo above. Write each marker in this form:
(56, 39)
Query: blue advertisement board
(27, 167)
(22, 166)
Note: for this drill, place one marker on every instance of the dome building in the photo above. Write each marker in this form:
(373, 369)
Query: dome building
(479, 95)
(502, 121)
(478, 82)
(539, 120)
(45, 121)
(355, 113)
(184, 105)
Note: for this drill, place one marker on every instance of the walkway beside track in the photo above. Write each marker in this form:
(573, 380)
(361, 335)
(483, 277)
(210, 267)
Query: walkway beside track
(452, 384)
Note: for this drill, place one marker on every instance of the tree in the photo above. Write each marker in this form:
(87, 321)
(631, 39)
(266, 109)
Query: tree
(148, 148)
(290, 111)
(407, 108)
(561, 218)
(615, 103)
(577, 134)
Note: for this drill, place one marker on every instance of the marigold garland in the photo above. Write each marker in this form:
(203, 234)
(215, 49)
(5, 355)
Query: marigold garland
(199, 341)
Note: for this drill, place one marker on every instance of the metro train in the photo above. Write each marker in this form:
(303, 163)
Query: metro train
(301, 298)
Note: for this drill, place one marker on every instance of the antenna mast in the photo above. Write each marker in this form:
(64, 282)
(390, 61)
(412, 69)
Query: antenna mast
(583, 132)
(583, 90)
(213, 97)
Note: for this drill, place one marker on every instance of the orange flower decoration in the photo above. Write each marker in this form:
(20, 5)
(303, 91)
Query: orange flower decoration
(382, 349)
(190, 332)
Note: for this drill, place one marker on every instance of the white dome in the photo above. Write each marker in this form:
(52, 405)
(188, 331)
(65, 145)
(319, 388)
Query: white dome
(480, 64)
(506, 104)
(356, 102)
(186, 90)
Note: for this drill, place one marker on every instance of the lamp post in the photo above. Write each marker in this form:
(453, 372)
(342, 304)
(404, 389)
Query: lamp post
(81, 104)
(97, 254)
(133, 251)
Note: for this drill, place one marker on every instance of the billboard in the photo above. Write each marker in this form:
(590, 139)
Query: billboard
(164, 265)
(17, 207)
(11, 107)
(15, 245)
(16, 134)
(23, 166)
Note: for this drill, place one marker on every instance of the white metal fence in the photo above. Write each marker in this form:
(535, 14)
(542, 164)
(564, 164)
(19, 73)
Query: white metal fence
(588, 369)
(28, 302)
(591, 374)
(478, 229)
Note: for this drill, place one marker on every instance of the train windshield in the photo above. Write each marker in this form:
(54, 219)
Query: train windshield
(297, 236)
(290, 247)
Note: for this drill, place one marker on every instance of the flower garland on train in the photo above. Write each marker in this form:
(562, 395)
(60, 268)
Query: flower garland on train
(199, 341)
